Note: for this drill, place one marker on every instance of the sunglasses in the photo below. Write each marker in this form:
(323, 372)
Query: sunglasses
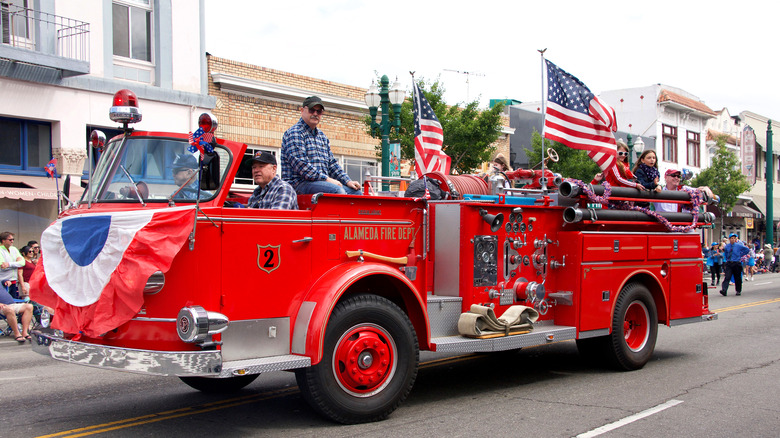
(316, 111)
(675, 175)
(623, 154)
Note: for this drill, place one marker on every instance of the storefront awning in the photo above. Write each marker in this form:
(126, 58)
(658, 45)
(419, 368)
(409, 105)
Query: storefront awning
(759, 201)
(29, 188)
(744, 211)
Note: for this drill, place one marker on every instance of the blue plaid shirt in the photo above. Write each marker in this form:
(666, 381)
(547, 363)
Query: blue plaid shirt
(276, 195)
(306, 156)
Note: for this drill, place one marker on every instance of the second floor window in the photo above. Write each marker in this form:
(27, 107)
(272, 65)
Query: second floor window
(132, 30)
(670, 143)
(694, 149)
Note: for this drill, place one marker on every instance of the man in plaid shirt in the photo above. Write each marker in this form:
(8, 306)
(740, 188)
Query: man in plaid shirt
(271, 191)
(309, 165)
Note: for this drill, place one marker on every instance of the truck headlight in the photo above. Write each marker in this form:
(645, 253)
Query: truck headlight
(195, 324)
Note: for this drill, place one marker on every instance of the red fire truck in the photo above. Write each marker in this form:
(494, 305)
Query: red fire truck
(346, 290)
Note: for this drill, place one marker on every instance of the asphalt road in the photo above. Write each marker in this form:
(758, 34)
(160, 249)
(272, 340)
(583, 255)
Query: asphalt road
(714, 379)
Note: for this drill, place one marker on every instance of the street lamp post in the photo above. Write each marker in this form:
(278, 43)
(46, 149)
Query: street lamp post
(639, 146)
(386, 97)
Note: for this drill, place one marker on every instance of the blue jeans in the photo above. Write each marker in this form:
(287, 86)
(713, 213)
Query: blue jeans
(311, 187)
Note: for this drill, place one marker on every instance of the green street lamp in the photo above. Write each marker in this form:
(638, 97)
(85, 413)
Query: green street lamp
(637, 146)
(385, 96)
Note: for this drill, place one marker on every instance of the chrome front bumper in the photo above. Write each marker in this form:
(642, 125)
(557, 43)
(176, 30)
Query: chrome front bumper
(160, 363)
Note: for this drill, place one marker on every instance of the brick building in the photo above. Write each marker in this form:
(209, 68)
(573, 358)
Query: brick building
(256, 105)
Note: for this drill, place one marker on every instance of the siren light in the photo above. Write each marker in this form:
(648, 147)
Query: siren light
(207, 122)
(125, 108)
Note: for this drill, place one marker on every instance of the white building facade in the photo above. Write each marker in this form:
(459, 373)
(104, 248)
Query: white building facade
(674, 118)
(61, 61)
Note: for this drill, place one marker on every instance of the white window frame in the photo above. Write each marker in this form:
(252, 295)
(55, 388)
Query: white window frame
(145, 5)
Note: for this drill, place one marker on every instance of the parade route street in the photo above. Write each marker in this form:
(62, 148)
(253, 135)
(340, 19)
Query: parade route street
(713, 379)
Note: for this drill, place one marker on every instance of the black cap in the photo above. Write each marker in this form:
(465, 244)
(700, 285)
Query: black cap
(184, 161)
(263, 157)
(312, 101)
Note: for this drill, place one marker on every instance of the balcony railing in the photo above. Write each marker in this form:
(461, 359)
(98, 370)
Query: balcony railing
(42, 32)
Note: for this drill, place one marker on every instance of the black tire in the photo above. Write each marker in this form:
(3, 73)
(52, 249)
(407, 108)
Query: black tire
(634, 328)
(215, 385)
(375, 337)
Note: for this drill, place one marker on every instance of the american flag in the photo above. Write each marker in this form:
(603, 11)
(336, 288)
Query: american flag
(428, 138)
(578, 118)
(201, 142)
(51, 167)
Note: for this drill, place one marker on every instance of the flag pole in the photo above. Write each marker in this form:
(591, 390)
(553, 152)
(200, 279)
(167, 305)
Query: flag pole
(544, 114)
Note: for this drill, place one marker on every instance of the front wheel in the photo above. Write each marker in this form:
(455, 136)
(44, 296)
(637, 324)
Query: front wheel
(634, 328)
(369, 362)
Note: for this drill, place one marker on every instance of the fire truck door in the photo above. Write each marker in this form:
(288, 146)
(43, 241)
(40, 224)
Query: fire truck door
(266, 261)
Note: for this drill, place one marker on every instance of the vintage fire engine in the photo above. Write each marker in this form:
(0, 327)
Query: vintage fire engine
(346, 290)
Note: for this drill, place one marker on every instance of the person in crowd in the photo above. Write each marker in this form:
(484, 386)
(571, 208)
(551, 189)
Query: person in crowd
(732, 255)
(10, 262)
(11, 309)
(23, 280)
(646, 171)
(307, 161)
(271, 192)
(750, 265)
(768, 255)
(715, 262)
(36, 247)
(619, 175)
(672, 178)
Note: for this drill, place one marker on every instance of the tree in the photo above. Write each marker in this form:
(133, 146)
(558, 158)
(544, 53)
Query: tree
(468, 132)
(724, 177)
(573, 163)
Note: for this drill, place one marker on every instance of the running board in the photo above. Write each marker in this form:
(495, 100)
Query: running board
(541, 335)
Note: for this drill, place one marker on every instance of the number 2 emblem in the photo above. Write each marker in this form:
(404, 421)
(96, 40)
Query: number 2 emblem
(268, 257)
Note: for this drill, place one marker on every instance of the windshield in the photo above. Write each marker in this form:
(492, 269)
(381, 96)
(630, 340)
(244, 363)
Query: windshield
(151, 169)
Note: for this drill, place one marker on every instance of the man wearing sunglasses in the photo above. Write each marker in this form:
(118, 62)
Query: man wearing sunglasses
(10, 262)
(673, 179)
(308, 164)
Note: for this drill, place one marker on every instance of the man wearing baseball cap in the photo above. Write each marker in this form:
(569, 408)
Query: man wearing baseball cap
(185, 169)
(271, 191)
(732, 259)
(673, 178)
(308, 164)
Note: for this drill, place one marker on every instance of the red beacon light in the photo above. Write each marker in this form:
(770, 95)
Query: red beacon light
(125, 108)
(207, 123)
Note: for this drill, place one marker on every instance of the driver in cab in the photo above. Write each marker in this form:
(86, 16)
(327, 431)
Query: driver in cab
(185, 169)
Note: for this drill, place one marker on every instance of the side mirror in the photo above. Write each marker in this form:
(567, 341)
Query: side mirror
(209, 173)
(97, 139)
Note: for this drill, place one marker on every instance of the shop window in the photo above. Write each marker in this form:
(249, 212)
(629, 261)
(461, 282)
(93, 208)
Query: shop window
(356, 169)
(25, 145)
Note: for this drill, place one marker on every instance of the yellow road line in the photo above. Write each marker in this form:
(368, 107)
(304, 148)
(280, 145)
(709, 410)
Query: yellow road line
(746, 305)
(208, 407)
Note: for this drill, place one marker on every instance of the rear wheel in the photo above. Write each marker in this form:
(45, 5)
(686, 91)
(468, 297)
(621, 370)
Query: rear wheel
(634, 328)
(369, 362)
(219, 385)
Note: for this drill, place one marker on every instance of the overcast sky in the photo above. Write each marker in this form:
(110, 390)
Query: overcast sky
(723, 52)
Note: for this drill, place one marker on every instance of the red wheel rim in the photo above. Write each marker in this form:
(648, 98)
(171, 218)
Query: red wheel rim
(364, 360)
(636, 326)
